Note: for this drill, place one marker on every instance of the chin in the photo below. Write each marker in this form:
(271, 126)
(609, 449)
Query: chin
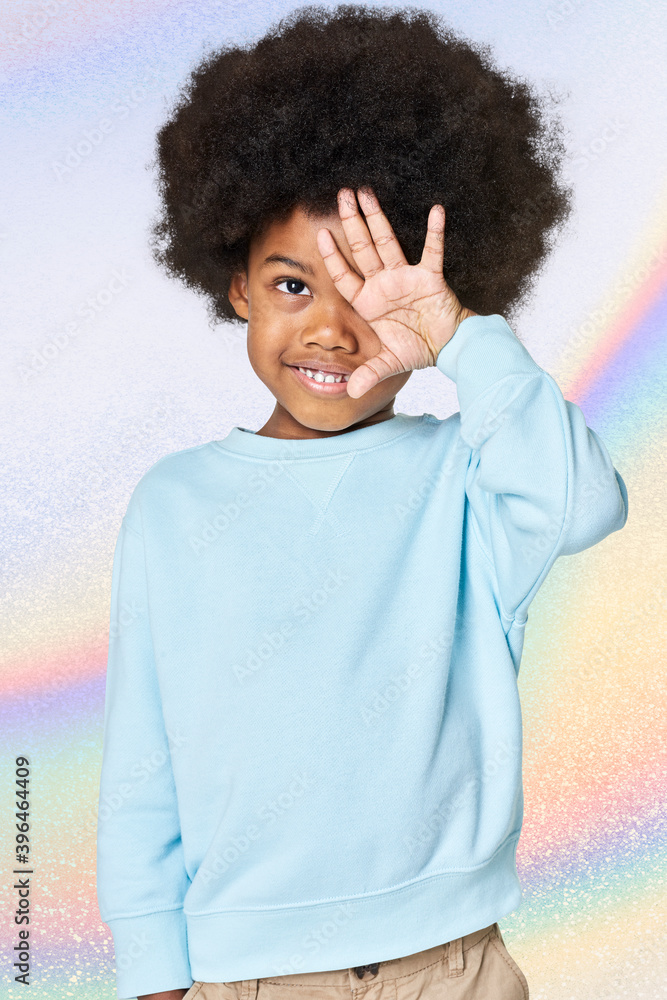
(324, 424)
(328, 421)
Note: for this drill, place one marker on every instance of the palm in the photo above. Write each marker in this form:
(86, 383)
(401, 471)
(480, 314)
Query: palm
(397, 304)
(411, 308)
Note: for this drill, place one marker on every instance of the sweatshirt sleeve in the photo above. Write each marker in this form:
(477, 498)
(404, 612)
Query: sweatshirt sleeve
(141, 879)
(540, 482)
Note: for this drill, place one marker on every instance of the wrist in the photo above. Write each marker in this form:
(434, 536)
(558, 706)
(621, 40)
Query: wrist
(463, 314)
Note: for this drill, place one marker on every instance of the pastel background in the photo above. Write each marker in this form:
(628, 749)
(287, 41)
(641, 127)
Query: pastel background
(142, 374)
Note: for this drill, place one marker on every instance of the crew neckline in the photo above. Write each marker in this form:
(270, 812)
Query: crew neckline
(242, 441)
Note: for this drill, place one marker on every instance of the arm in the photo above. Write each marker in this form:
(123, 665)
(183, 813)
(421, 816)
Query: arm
(141, 878)
(540, 482)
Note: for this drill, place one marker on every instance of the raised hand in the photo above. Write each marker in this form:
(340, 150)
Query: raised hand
(411, 308)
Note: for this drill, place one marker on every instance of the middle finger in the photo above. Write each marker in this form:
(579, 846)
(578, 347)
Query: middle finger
(357, 235)
(384, 237)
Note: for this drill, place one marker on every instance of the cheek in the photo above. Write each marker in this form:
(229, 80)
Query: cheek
(271, 331)
(265, 343)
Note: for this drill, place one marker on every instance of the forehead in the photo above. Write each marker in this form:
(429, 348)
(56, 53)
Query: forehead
(296, 236)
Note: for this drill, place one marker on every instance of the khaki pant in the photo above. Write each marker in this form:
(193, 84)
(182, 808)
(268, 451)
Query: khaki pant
(477, 966)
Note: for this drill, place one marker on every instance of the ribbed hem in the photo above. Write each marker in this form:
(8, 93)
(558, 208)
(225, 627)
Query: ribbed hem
(254, 944)
(151, 953)
(244, 442)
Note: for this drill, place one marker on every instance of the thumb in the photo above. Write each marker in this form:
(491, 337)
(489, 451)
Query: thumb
(373, 371)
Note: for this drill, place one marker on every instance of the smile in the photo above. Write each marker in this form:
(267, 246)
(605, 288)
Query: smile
(323, 383)
(319, 376)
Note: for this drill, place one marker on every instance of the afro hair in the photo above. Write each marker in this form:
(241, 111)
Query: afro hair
(345, 97)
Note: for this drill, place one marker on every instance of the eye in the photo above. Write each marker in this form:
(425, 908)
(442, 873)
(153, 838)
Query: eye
(291, 281)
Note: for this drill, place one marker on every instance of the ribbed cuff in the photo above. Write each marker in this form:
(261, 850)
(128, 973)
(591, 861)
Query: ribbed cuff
(483, 350)
(151, 953)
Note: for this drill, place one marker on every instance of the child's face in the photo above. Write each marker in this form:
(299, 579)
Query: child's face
(297, 317)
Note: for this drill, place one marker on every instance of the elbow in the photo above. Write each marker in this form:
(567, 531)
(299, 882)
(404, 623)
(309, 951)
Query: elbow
(598, 510)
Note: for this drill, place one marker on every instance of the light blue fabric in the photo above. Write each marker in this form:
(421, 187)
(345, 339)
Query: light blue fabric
(312, 742)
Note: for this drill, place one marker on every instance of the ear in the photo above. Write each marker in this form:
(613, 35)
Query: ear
(238, 293)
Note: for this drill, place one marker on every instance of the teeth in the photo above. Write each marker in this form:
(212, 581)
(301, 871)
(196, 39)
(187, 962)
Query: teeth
(319, 376)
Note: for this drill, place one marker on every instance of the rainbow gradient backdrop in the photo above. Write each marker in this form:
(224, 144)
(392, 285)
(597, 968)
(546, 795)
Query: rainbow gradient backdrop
(149, 372)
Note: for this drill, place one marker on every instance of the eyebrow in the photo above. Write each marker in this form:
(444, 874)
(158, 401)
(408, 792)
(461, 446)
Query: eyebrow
(277, 258)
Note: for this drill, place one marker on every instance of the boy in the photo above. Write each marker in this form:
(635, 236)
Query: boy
(311, 780)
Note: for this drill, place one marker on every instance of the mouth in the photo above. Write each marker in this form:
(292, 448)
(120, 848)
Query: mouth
(324, 383)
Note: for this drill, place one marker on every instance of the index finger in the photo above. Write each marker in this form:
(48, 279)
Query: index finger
(348, 283)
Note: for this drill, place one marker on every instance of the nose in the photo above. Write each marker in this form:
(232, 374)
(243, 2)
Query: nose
(335, 323)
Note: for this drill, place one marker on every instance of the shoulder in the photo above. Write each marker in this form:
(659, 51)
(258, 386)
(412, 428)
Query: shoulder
(443, 432)
(163, 481)
(435, 443)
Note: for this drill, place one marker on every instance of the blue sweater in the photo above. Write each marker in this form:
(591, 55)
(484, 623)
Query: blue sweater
(312, 730)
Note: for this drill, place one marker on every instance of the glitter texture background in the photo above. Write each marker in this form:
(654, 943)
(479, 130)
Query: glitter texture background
(140, 374)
